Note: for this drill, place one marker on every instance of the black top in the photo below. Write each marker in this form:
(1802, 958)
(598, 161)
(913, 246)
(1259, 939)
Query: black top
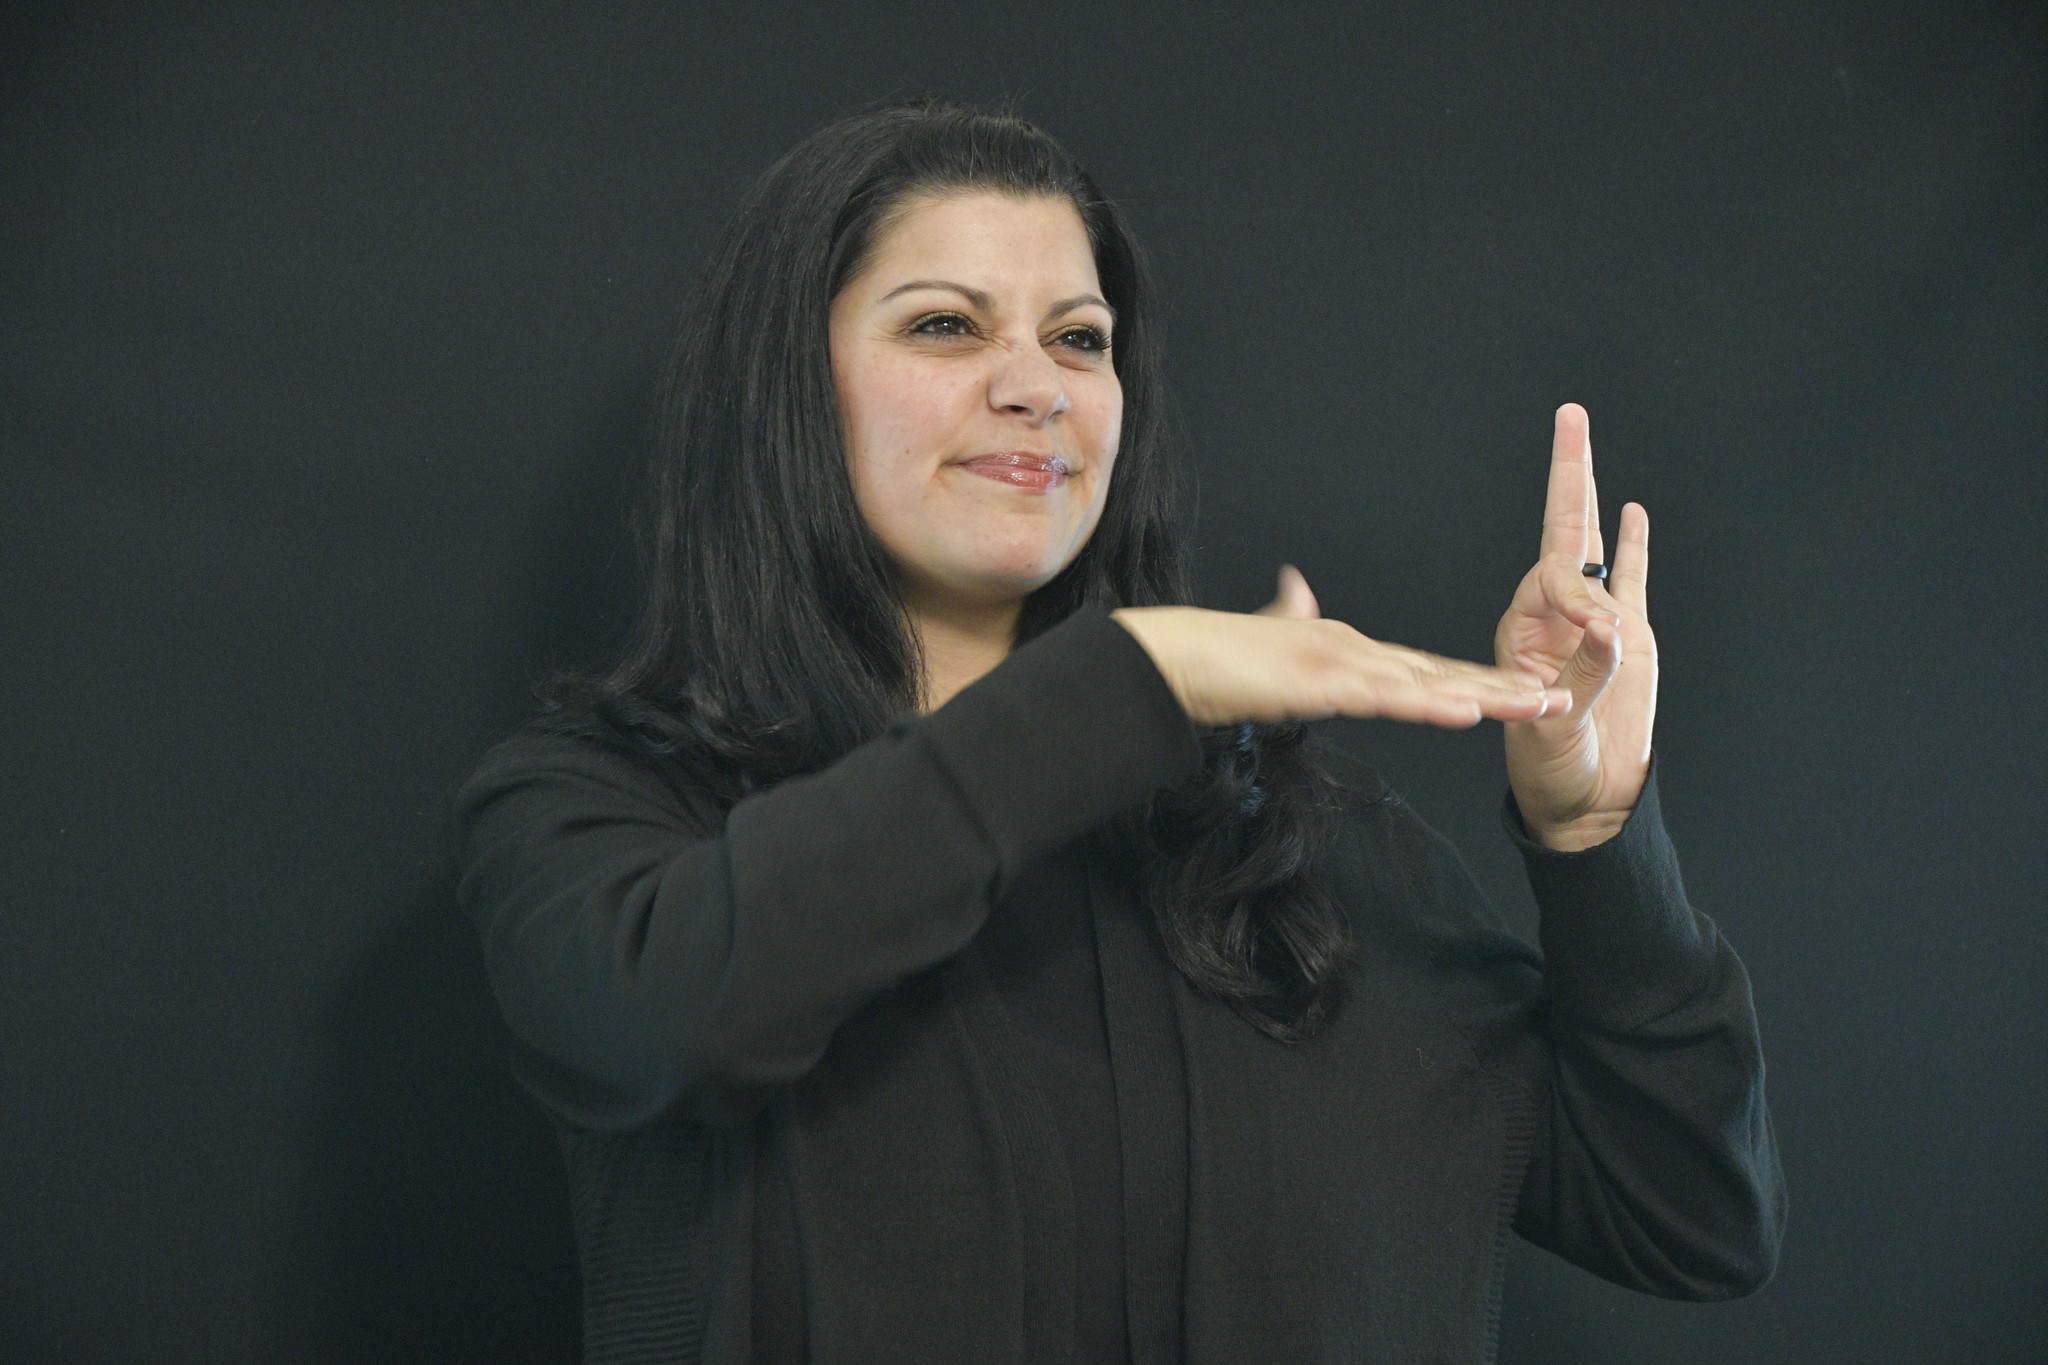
(1039, 948)
(760, 1029)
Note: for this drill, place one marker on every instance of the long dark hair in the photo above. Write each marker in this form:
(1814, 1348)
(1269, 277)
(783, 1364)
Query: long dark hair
(748, 520)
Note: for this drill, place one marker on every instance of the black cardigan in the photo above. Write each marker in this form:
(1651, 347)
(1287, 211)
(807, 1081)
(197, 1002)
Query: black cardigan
(770, 1015)
(1038, 948)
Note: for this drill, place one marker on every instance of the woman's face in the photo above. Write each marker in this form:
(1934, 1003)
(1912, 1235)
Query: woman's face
(967, 356)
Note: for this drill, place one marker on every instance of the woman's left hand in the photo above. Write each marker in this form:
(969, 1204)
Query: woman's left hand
(1577, 776)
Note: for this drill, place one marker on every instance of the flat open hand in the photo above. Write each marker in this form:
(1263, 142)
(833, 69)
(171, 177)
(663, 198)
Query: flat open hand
(1286, 661)
(1577, 776)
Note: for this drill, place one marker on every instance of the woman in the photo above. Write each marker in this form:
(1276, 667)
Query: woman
(936, 941)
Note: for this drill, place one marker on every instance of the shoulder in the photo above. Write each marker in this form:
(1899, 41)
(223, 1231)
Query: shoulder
(545, 762)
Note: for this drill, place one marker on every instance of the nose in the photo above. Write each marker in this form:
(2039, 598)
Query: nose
(1028, 383)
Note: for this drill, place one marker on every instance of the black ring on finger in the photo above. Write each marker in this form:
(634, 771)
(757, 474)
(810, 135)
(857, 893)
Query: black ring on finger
(1598, 571)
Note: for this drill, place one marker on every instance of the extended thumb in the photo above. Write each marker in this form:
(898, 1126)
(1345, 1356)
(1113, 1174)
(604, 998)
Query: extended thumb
(1294, 599)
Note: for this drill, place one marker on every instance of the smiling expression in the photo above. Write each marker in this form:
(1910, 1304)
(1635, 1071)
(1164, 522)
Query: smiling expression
(977, 330)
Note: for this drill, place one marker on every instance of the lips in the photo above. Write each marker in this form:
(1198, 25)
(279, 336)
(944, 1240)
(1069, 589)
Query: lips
(1027, 471)
(1022, 459)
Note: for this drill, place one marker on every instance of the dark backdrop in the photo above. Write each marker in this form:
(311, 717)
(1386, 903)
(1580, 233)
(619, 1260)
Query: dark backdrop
(327, 332)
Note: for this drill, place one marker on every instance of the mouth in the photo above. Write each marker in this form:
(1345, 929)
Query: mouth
(1021, 459)
(1024, 469)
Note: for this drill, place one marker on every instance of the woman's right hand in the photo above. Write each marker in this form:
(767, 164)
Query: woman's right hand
(1285, 661)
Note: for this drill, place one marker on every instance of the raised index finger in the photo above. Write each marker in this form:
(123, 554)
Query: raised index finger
(1568, 506)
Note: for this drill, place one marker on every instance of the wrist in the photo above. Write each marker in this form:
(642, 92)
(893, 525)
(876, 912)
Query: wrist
(1572, 836)
(1155, 629)
(1566, 807)
(1575, 838)
(1143, 625)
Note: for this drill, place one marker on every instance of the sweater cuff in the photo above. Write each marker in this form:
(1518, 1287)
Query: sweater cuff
(1067, 731)
(1621, 944)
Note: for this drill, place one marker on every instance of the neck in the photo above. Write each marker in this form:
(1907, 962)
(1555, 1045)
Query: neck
(961, 643)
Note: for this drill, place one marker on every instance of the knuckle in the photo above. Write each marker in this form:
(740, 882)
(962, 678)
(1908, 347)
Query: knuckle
(1329, 647)
(1335, 632)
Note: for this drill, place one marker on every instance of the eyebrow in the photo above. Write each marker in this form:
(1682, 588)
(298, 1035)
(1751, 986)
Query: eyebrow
(987, 305)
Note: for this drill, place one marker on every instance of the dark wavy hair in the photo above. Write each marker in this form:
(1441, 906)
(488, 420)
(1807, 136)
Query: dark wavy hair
(772, 637)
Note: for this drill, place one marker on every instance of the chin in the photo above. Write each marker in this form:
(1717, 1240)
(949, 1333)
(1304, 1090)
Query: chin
(1022, 569)
(998, 583)
(990, 572)
(1012, 588)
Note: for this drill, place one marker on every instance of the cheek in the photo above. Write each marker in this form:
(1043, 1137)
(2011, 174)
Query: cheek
(899, 413)
(1103, 413)
(1112, 417)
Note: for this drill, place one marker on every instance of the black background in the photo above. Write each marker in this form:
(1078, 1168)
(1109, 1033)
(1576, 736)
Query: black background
(327, 332)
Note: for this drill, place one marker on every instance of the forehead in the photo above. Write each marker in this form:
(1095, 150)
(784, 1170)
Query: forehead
(1003, 240)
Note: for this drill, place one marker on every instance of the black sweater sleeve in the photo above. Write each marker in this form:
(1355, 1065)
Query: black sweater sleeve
(1633, 1039)
(649, 962)
(1653, 1163)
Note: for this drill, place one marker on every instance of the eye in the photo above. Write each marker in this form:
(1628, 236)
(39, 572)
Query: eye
(925, 326)
(1086, 339)
(1091, 339)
